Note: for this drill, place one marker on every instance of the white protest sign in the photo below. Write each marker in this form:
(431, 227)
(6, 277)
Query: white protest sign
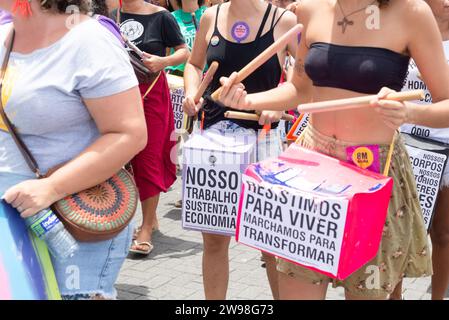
(177, 98)
(300, 227)
(428, 159)
(212, 180)
(428, 170)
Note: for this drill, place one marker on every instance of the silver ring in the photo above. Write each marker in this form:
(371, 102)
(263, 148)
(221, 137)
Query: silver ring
(20, 209)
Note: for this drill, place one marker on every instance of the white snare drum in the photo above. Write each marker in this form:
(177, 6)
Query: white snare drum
(211, 179)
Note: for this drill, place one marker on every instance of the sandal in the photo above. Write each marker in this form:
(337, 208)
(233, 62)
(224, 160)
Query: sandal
(136, 233)
(139, 244)
(137, 230)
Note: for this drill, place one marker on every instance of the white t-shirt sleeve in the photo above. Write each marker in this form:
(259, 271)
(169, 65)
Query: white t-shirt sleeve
(102, 65)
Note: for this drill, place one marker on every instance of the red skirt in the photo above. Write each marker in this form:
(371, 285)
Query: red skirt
(154, 170)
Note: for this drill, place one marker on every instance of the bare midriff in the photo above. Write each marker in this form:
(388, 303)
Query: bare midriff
(359, 125)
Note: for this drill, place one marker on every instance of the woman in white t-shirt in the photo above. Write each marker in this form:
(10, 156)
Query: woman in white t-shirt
(440, 226)
(72, 94)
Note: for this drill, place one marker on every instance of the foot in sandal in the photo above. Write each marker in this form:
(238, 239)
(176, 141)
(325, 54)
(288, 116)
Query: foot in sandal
(143, 248)
(142, 244)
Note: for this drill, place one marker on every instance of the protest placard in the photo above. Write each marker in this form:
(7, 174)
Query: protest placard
(177, 96)
(314, 210)
(212, 170)
(428, 159)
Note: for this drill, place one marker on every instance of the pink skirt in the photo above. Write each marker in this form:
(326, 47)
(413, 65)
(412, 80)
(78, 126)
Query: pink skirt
(154, 170)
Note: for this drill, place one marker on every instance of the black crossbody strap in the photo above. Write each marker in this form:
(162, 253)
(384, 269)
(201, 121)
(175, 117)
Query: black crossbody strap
(31, 162)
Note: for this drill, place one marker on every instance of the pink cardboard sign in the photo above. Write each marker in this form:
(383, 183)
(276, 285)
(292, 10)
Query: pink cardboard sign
(313, 210)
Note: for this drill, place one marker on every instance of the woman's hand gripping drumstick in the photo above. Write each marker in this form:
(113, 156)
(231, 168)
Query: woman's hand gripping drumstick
(394, 107)
(394, 111)
(232, 93)
(193, 104)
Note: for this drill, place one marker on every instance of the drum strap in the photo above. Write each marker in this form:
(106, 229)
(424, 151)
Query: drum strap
(151, 86)
(390, 154)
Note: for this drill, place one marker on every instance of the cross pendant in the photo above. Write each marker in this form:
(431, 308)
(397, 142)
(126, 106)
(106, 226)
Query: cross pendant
(345, 23)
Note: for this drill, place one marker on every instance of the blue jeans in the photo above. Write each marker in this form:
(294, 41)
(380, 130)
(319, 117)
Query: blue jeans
(93, 270)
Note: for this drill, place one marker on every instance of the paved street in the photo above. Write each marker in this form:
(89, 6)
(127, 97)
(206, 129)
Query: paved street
(173, 269)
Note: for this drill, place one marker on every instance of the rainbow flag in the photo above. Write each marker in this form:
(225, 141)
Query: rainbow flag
(26, 270)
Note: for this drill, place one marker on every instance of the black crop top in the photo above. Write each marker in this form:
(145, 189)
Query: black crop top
(233, 56)
(360, 69)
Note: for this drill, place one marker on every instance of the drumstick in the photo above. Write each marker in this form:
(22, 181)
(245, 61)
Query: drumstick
(252, 116)
(357, 102)
(263, 57)
(208, 77)
(206, 81)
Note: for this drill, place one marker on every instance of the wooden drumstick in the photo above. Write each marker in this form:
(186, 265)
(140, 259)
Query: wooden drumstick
(263, 57)
(208, 77)
(252, 116)
(342, 104)
(201, 89)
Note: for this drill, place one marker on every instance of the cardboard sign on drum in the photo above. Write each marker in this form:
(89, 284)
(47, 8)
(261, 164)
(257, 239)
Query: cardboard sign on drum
(428, 159)
(314, 210)
(212, 171)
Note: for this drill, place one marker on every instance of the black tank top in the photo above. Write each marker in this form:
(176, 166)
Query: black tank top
(233, 56)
